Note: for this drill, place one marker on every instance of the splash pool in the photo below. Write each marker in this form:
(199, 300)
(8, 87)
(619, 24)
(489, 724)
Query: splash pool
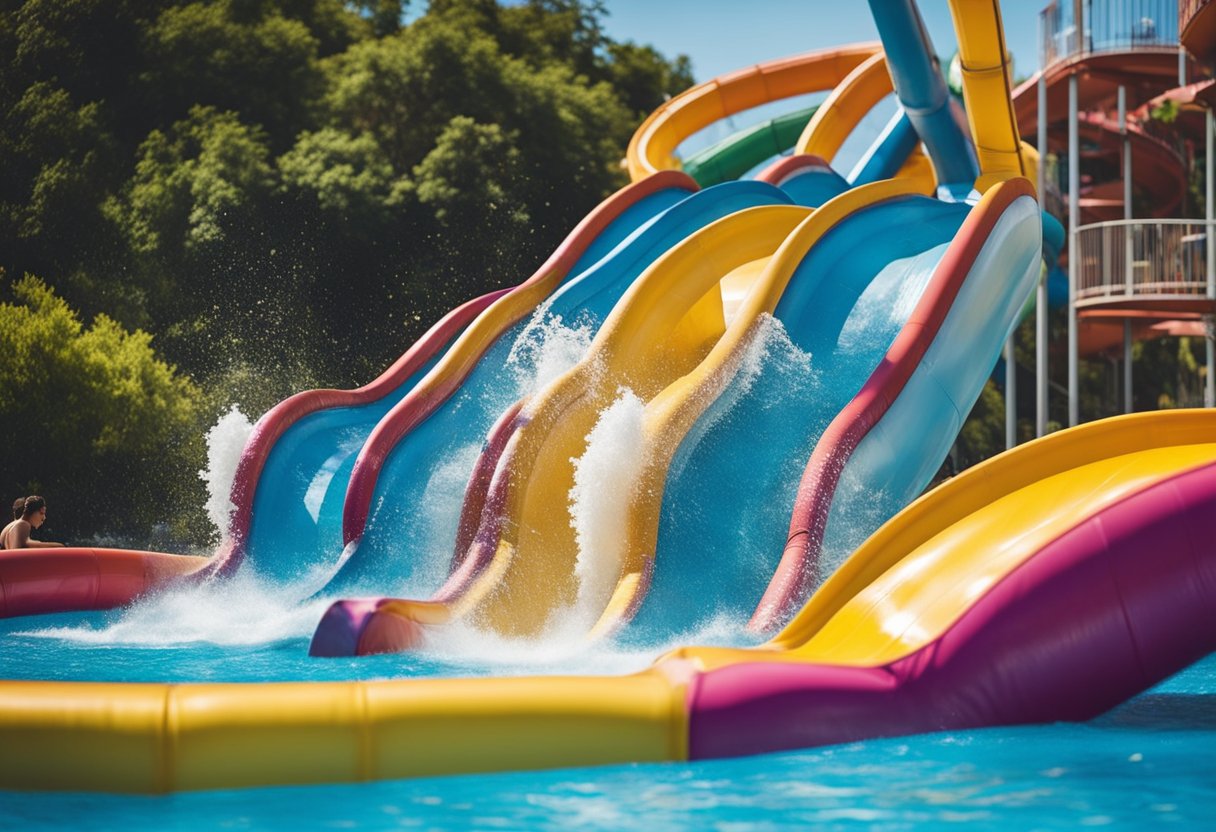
(1141, 764)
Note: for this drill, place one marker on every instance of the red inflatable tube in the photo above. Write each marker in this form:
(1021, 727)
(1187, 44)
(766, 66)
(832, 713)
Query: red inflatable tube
(36, 581)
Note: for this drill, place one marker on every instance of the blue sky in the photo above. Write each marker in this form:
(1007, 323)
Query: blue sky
(721, 36)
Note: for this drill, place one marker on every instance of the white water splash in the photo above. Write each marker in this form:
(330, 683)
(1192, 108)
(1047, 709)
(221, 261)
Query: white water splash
(567, 650)
(605, 478)
(441, 504)
(242, 610)
(546, 348)
(769, 348)
(225, 442)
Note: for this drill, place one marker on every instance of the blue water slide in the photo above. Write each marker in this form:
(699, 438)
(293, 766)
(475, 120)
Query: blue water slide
(296, 522)
(407, 545)
(731, 486)
(922, 92)
(888, 152)
(814, 185)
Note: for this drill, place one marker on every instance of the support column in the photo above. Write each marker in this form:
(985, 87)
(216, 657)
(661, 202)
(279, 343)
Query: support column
(1011, 392)
(1127, 366)
(1074, 218)
(1040, 306)
(1127, 247)
(1209, 395)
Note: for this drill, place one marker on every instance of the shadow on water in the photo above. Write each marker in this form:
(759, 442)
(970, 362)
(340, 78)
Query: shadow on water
(1164, 712)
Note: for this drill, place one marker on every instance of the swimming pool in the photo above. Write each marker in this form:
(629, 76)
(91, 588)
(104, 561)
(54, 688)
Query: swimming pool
(1144, 762)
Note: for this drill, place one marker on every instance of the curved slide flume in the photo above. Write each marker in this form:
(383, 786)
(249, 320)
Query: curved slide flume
(293, 469)
(391, 514)
(899, 313)
(295, 508)
(989, 601)
(735, 155)
(1017, 592)
(654, 144)
(924, 388)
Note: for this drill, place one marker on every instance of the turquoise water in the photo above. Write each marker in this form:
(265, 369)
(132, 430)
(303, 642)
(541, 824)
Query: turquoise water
(1146, 764)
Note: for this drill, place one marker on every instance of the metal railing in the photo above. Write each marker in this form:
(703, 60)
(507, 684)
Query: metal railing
(1079, 27)
(1126, 259)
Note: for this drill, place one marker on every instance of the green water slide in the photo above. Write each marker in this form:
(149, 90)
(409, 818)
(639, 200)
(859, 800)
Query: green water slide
(737, 154)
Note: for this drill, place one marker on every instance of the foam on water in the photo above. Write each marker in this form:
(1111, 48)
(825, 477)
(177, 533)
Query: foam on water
(566, 649)
(242, 610)
(225, 442)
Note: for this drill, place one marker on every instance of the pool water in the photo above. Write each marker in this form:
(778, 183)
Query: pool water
(1145, 764)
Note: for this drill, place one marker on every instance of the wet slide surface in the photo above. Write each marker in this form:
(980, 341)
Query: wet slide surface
(297, 508)
(1019, 591)
(412, 526)
(731, 489)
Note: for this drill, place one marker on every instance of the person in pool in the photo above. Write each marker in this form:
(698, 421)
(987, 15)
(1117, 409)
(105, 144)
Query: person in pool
(18, 508)
(16, 535)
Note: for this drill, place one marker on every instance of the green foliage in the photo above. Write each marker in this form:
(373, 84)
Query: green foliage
(95, 420)
(286, 193)
(983, 432)
(238, 55)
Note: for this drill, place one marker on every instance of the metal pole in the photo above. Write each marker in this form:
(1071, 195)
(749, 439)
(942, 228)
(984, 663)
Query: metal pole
(1127, 247)
(1128, 407)
(1209, 397)
(1040, 306)
(1011, 393)
(1074, 219)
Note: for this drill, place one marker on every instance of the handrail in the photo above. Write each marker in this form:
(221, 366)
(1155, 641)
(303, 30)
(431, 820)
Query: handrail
(1146, 257)
(1108, 26)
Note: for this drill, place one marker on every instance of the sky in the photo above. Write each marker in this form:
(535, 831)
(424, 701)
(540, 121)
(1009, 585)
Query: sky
(721, 36)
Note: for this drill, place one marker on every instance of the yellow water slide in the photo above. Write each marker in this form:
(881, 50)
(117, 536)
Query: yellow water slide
(663, 327)
(914, 578)
(987, 91)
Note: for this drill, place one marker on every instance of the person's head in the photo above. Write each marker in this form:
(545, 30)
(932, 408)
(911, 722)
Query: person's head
(34, 511)
(18, 508)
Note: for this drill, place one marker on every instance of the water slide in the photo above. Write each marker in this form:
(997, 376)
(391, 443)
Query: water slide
(310, 476)
(1017, 592)
(532, 566)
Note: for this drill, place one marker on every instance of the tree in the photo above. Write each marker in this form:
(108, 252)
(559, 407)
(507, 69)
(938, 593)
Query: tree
(94, 419)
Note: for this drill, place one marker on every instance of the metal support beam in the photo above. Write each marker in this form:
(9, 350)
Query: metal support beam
(1040, 306)
(1074, 219)
(1127, 366)
(1011, 393)
(1128, 273)
(1209, 395)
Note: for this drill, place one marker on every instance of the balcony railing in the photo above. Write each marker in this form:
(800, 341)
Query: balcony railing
(1128, 259)
(1107, 26)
